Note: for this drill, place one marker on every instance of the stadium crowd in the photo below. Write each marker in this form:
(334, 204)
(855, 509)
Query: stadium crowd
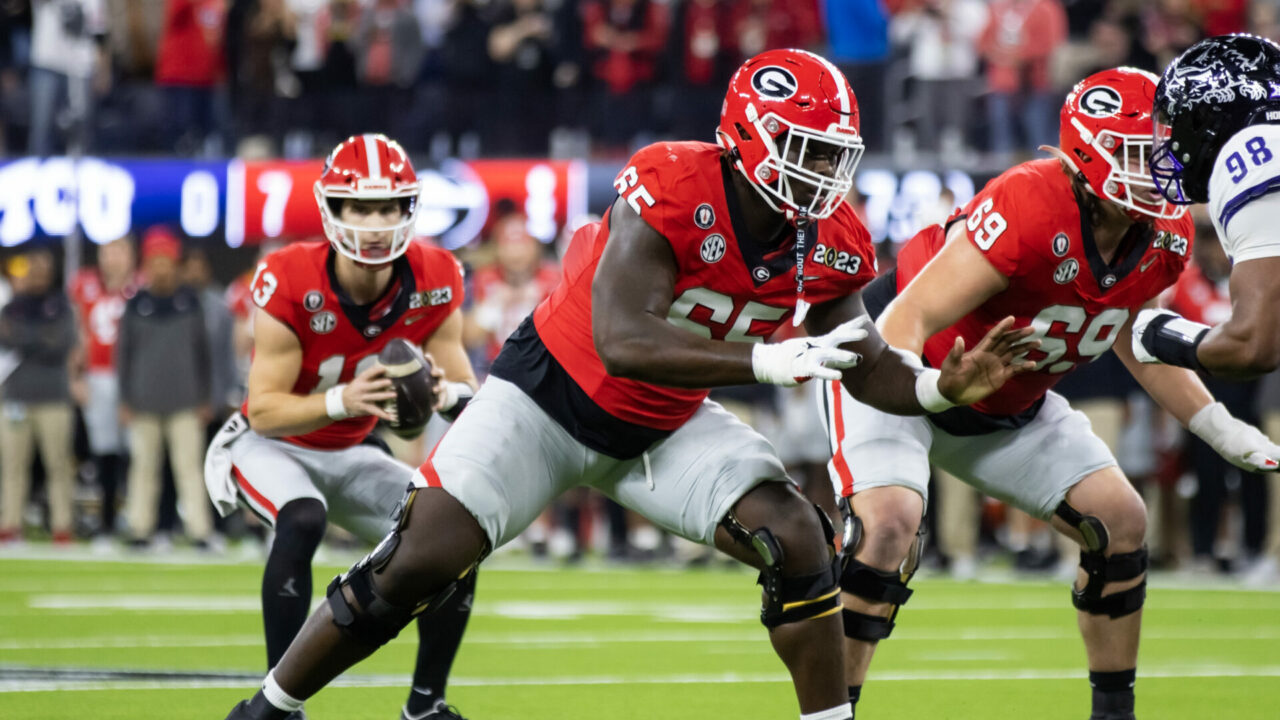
(136, 358)
(291, 77)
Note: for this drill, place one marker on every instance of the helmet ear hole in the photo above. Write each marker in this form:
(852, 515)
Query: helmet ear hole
(742, 132)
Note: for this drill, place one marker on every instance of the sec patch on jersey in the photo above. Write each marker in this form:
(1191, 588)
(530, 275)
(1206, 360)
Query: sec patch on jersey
(410, 375)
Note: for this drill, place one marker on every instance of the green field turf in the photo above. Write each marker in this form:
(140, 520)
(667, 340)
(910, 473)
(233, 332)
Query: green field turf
(547, 643)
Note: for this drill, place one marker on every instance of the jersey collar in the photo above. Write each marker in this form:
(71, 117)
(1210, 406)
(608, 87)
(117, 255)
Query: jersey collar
(1133, 246)
(402, 285)
(764, 260)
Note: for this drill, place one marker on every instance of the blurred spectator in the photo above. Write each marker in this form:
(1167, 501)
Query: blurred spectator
(468, 80)
(942, 38)
(100, 295)
(197, 274)
(769, 24)
(704, 55)
(15, 55)
(1168, 28)
(1018, 44)
(623, 40)
(37, 335)
(163, 361)
(189, 68)
(1201, 295)
(69, 67)
(521, 46)
(507, 291)
(389, 55)
(260, 34)
(858, 33)
(1220, 17)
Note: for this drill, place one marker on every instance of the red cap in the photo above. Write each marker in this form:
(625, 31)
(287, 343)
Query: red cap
(159, 241)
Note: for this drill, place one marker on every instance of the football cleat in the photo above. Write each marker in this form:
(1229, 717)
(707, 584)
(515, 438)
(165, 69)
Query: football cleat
(439, 712)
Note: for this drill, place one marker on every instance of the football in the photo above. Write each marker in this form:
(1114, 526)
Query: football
(410, 375)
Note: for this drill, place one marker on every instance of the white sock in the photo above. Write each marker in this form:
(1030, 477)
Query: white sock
(839, 712)
(277, 697)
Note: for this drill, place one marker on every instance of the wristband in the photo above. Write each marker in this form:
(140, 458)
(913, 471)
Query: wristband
(334, 407)
(1173, 340)
(928, 394)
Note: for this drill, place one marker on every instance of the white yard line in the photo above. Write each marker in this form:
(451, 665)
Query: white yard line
(397, 681)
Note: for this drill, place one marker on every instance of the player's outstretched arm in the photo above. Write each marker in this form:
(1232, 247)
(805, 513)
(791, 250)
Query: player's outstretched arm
(1246, 345)
(631, 296)
(1181, 392)
(895, 381)
(275, 411)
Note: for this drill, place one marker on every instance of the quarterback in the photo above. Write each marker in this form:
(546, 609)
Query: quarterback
(705, 252)
(1075, 246)
(299, 453)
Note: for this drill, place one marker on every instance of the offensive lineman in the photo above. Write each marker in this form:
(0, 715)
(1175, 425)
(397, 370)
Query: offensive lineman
(297, 454)
(1075, 246)
(1217, 127)
(605, 384)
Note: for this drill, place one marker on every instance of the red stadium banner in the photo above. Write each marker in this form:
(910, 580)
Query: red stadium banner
(275, 199)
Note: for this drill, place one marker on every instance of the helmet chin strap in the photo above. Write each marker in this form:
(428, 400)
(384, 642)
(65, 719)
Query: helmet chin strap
(801, 218)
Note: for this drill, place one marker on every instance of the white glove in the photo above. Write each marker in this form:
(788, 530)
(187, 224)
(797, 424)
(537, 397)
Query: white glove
(1140, 324)
(1242, 444)
(793, 361)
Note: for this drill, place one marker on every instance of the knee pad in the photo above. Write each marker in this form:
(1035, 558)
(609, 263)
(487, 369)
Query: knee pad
(1102, 570)
(877, 586)
(789, 599)
(373, 620)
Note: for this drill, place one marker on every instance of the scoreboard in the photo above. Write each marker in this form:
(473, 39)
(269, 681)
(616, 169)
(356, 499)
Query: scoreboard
(246, 202)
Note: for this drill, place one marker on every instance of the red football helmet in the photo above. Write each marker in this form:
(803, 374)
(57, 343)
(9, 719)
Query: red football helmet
(368, 167)
(1105, 135)
(785, 112)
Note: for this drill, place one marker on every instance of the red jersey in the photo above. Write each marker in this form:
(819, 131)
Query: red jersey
(510, 305)
(1028, 224)
(100, 312)
(725, 288)
(297, 286)
(1199, 299)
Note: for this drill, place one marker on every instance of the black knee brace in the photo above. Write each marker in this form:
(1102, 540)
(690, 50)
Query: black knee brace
(1102, 570)
(373, 620)
(872, 585)
(789, 599)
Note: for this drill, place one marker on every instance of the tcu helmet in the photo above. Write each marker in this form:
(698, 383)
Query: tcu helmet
(785, 111)
(1105, 135)
(1214, 89)
(368, 167)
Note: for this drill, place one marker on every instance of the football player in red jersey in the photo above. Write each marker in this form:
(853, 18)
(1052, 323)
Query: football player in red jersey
(605, 384)
(100, 294)
(297, 454)
(1076, 246)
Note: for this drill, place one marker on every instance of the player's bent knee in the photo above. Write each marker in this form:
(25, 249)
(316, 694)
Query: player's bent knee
(1102, 569)
(887, 538)
(367, 615)
(790, 597)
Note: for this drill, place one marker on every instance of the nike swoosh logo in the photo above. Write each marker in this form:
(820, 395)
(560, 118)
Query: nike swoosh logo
(1146, 264)
(412, 320)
